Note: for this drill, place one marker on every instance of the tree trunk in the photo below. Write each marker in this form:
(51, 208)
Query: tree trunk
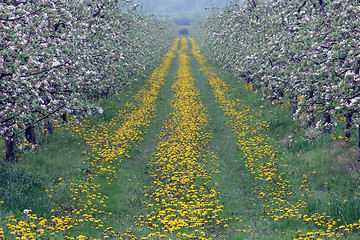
(322, 5)
(348, 123)
(357, 71)
(359, 144)
(280, 94)
(10, 150)
(30, 134)
(63, 117)
(104, 94)
(49, 128)
(327, 118)
(294, 106)
(357, 67)
(248, 80)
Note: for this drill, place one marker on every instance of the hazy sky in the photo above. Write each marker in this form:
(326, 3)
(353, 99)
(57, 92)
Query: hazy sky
(172, 8)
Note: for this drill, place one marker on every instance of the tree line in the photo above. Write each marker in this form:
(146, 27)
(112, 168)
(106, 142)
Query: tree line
(56, 56)
(305, 53)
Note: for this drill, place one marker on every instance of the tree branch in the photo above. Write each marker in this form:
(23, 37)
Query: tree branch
(43, 71)
(18, 18)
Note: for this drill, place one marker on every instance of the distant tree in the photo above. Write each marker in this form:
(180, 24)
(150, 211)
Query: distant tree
(180, 7)
(182, 21)
(184, 31)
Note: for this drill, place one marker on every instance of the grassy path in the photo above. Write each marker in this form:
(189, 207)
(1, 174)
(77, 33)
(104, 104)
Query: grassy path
(182, 201)
(127, 195)
(236, 188)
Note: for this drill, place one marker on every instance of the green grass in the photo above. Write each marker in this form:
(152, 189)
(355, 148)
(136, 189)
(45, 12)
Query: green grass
(22, 189)
(233, 182)
(126, 194)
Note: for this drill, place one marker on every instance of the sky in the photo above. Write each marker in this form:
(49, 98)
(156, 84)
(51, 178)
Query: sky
(179, 8)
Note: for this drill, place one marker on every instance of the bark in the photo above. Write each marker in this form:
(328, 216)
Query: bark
(357, 71)
(49, 128)
(322, 5)
(327, 118)
(359, 144)
(104, 94)
(254, 4)
(280, 94)
(294, 106)
(30, 134)
(10, 150)
(63, 117)
(348, 124)
(357, 67)
(248, 80)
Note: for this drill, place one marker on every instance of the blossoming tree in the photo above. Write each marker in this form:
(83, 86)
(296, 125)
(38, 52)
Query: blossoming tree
(304, 52)
(56, 55)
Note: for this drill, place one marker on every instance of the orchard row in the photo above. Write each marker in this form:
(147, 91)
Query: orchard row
(56, 56)
(262, 162)
(305, 53)
(85, 205)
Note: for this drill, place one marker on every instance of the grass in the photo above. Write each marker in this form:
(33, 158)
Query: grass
(232, 180)
(21, 189)
(127, 192)
(332, 171)
(234, 183)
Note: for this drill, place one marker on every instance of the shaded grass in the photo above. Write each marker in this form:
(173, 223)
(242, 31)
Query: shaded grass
(23, 184)
(22, 189)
